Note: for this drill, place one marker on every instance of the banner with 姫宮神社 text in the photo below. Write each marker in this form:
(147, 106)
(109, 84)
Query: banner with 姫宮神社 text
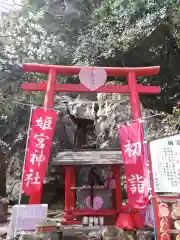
(39, 148)
(134, 156)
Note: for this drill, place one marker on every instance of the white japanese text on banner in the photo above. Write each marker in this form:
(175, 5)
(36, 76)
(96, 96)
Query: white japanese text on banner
(39, 148)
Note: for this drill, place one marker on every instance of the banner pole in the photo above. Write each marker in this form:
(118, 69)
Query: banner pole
(150, 190)
(20, 191)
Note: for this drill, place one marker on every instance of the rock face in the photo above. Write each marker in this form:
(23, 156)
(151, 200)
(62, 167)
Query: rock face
(105, 113)
(114, 109)
(13, 176)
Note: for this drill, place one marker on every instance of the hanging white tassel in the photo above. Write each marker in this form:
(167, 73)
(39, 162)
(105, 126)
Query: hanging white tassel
(91, 221)
(96, 221)
(106, 108)
(85, 220)
(101, 221)
(100, 113)
(93, 107)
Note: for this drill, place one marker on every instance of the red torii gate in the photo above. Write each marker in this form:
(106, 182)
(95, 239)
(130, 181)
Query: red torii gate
(51, 88)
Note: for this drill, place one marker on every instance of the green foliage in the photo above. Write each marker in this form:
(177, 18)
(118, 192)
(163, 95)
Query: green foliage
(120, 26)
(136, 33)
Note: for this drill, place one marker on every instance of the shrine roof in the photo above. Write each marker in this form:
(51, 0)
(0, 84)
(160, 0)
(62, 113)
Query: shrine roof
(88, 157)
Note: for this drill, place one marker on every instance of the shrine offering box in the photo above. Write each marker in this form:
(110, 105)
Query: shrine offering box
(102, 198)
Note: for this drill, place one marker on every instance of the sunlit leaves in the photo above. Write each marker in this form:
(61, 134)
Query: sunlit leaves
(120, 26)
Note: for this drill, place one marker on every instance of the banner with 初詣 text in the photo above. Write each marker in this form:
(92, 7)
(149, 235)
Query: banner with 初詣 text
(134, 156)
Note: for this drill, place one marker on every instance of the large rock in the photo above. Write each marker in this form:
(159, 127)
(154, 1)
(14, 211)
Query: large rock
(13, 176)
(114, 109)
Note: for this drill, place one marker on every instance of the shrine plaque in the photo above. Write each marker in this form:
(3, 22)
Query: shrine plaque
(165, 157)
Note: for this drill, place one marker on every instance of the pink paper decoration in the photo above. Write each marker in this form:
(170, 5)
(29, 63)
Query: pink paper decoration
(92, 78)
(97, 202)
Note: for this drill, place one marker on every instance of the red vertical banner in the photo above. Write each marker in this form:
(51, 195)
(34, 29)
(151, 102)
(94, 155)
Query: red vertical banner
(39, 148)
(134, 156)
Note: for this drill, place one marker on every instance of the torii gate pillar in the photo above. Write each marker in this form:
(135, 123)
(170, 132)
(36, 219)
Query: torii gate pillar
(51, 88)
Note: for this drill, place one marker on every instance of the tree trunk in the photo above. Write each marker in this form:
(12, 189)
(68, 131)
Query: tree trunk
(3, 167)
